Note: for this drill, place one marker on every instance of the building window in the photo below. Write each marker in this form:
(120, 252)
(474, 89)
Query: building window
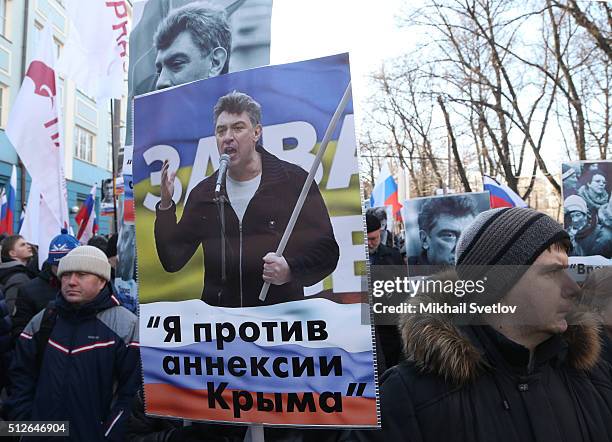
(83, 144)
(58, 47)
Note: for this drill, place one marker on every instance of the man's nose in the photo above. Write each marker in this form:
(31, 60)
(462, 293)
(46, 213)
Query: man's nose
(163, 80)
(570, 289)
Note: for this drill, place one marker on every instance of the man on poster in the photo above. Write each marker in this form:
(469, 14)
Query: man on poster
(262, 191)
(441, 221)
(193, 42)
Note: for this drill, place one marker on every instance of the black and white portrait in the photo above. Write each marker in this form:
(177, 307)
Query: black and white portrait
(175, 42)
(586, 207)
(433, 226)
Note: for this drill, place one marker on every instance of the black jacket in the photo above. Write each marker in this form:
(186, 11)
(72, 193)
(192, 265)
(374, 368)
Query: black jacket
(606, 347)
(32, 297)
(12, 275)
(386, 255)
(143, 428)
(312, 252)
(471, 384)
(5, 341)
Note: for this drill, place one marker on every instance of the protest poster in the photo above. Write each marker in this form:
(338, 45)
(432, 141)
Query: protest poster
(302, 356)
(433, 226)
(152, 52)
(587, 212)
(248, 45)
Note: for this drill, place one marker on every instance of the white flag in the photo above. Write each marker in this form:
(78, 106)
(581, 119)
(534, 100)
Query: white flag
(38, 226)
(95, 54)
(34, 130)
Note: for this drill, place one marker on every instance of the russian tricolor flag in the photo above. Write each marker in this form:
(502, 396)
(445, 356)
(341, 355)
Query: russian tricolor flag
(500, 194)
(7, 211)
(385, 192)
(86, 218)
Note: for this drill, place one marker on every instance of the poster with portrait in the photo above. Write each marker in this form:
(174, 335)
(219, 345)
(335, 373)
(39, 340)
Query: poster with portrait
(240, 27)
(433, 226)
(211, 348)
(587, 214)
(163, 53)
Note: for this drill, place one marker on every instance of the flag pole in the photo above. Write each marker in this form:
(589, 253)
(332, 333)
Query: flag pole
(313, 169)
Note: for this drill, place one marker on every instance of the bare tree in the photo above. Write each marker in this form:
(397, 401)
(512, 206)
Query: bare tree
(499, 94)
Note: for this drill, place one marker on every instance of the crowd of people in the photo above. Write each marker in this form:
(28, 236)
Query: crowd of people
(70, 349)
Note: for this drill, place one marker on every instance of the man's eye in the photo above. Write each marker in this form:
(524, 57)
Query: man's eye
(176, 65)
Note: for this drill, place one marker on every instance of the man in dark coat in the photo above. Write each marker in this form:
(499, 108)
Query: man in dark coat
(35, 295)
(533, 375)
(15, 254)
(262, 191)
(380, 254)
(386, 263)
(85, 370)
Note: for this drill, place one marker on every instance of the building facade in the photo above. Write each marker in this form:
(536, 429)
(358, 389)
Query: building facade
(86, 124)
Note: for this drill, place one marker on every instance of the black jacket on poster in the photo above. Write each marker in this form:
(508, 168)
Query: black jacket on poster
(472, 384)
(312, 252)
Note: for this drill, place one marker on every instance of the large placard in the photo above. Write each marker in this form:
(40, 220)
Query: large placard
(217, 352)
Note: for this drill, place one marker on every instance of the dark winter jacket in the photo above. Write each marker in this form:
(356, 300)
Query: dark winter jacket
(143, 428)
(89, 373)
(12, 275)
(5, 341)
(312, 252)
(472, 384)
(606, 347)
(32, 297)
(387, 264)
(385, 255)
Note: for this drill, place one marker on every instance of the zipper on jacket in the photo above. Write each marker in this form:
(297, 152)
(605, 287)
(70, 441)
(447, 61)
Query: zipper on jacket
(240, 260)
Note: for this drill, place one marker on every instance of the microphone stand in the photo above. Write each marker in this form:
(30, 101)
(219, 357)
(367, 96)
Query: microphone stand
(221, 200)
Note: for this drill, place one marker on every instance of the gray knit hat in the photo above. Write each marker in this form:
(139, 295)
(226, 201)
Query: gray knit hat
(510, 239)
(86, 259)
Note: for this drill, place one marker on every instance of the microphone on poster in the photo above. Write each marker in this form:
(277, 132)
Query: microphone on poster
(223, 163)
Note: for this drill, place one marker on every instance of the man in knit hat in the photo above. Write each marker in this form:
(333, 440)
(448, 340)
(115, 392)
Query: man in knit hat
(486, 375)
(35, 295)
(80, 364)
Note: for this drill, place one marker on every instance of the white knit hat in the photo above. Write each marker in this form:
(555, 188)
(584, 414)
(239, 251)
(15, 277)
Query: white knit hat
(86, 259)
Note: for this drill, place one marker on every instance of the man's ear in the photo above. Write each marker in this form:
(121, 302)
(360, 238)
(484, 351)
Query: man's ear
(257, 133)
(424, 239)
(218, 57)
(12, 254)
